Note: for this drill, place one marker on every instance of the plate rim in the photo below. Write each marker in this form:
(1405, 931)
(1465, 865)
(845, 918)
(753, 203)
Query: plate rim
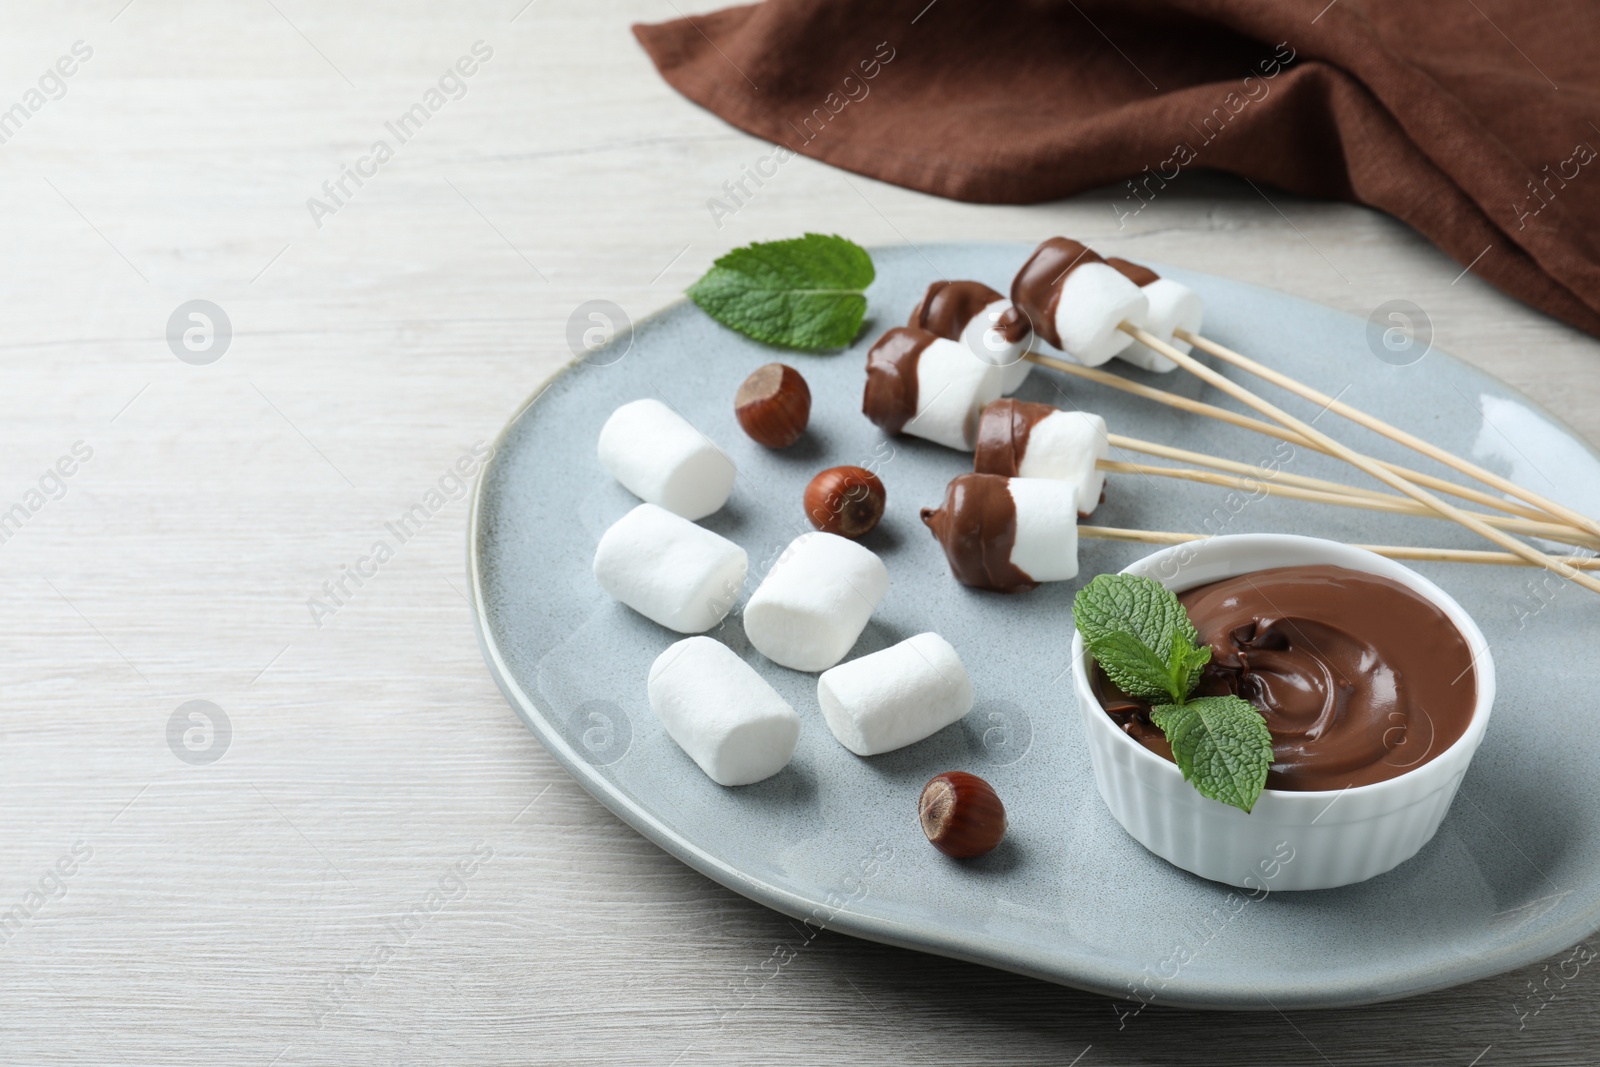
(1084, 974)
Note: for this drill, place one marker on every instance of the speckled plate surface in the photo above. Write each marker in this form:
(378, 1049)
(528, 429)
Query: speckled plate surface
(1512, 876)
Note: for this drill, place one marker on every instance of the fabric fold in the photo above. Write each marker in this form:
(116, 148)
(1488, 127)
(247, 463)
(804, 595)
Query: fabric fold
(1470, 122)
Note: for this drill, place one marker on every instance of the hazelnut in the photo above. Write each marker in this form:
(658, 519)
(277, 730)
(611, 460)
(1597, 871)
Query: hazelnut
(961, 814)
(847, 501)
(773, 405)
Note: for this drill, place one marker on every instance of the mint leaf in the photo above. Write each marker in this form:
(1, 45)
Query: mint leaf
(1133, 667)
(1143, 607)
(806, 292)
(1138, 632)
(1222, 746)
(1185, 663)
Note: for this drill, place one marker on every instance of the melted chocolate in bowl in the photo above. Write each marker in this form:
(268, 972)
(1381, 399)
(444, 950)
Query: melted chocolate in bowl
(1360, 679)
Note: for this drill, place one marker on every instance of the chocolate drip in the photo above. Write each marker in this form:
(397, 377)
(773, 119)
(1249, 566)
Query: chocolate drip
(1359, 678)
(890, 399)
(1138, 275)
(1003, 431)
(1036, 290)
(978, 528)
(947, 307)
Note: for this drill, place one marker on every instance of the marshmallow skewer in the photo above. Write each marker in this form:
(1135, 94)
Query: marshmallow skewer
(1358, 460)
(1267, 429)
(928, 386)
(1022, 439)
(968, 312)
(1072, 298)
(1007, 534)
(917, 370)
(1010, 534)
(1170, 307)
(1067, 296)
(1393, 433)
(1435, 555)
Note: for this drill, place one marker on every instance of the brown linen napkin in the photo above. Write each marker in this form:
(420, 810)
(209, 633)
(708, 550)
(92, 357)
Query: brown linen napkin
(1468, 119)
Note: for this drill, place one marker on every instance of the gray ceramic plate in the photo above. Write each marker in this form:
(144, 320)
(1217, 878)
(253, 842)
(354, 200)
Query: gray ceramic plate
(1513, 875)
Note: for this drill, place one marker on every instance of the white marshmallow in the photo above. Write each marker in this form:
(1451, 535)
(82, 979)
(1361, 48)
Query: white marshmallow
(895, 697)
(662, 459)
(1094, 298)
(721, 712)
(953, 385)
(980, 336)
(1173, 306)
(815, 601)
(1066, 446)
(1046, 543)
(669, 570)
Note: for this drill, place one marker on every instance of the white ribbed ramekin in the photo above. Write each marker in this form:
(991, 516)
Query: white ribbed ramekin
(1291, 840)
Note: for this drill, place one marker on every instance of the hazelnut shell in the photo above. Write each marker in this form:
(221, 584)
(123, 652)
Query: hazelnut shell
(961, 814)
(773, 405)
(847, 501)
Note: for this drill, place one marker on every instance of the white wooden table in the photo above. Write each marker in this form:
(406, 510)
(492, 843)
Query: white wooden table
(251, 910)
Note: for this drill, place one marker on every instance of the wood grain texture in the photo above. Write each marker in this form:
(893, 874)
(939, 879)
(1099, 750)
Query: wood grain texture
(237, 912)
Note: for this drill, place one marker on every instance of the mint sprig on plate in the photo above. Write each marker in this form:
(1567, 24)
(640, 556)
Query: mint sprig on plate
(806, 292)
(1138, 632)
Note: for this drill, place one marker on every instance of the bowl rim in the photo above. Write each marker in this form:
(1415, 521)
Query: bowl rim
(1483, 667)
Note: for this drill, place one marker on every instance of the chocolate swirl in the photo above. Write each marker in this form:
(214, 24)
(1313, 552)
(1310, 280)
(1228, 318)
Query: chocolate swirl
(1359, 678)
(947, 307)
(977, 526)
(1036, 290)
(890, 398)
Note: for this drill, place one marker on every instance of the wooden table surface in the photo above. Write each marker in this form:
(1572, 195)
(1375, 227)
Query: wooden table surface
(251, 909)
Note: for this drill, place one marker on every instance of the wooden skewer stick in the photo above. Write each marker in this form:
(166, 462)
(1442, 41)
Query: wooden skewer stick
(1537, 526)
(1358, 460)
(1259, 473)
(1198, 407)
(1393, 433)
(1394, 505)
(1439, 555)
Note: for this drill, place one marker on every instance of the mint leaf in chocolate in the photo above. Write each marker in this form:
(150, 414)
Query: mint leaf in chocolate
(1134, 668)
(1144, 641)
(1129, 603)
(1222, 746)
(805, 292)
